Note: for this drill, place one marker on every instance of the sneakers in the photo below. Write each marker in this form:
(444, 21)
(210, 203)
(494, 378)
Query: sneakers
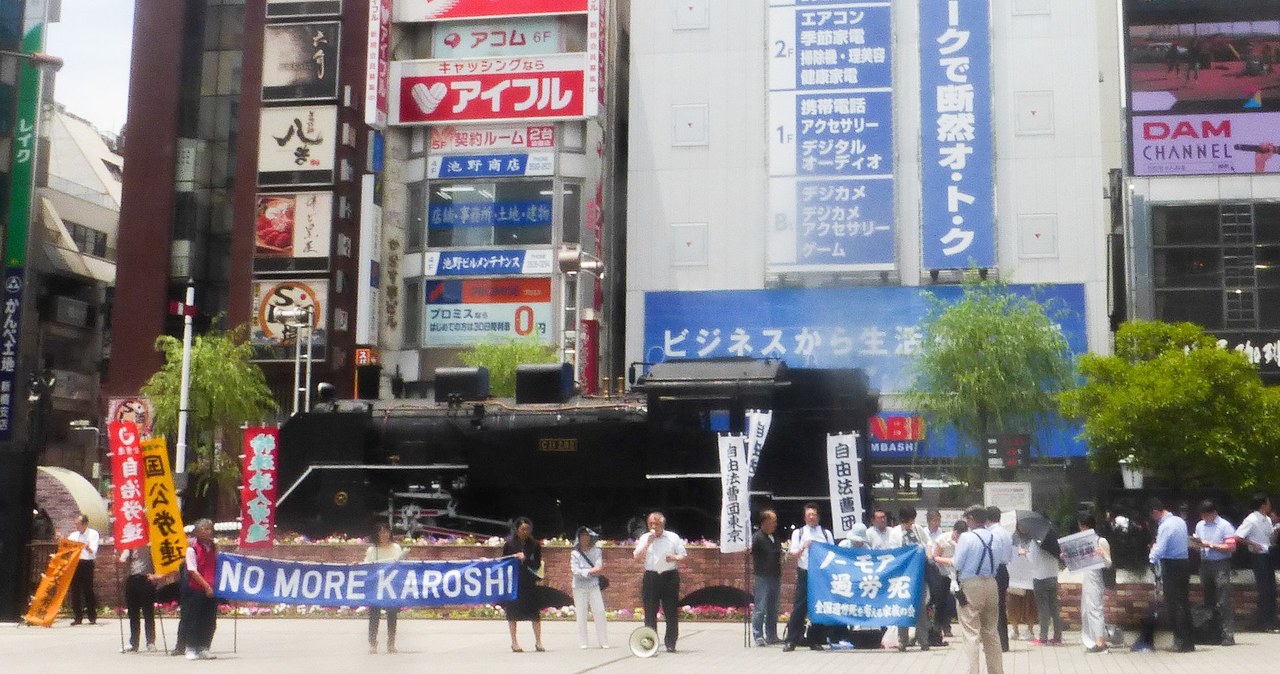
(761, 643)
(1038, 642)
(1056, 641)
(1096, 649)
(193, 655)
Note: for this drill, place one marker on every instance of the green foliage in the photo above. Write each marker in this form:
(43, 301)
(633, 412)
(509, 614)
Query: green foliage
(1185, 411)
(226, 391)
(502, 357)
(992, 362)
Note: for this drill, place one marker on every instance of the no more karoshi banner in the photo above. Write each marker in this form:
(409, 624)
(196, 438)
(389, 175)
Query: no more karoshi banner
(419, 583)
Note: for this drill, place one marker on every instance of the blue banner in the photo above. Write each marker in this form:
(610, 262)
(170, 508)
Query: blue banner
(844, 222)
(957, 176)
(860, 587)
(492, 214)
(845, 45)
(434, 583)
(493, 262)
(511, 164)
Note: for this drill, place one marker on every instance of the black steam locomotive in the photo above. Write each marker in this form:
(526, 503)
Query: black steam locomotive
(473, 464)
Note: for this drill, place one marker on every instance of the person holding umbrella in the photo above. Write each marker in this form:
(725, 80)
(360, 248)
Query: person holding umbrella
(1043, 552)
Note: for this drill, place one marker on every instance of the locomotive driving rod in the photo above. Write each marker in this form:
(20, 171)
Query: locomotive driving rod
(364, 466)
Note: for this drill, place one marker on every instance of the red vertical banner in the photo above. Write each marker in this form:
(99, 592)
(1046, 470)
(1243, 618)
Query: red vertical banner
(128, 503)
(258, 494)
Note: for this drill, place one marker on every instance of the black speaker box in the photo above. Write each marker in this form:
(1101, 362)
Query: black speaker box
(469, 383)
(544, 383)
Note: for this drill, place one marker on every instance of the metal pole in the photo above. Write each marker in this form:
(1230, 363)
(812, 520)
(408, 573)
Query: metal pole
(311, 333)
(184, 394)
(297, 365)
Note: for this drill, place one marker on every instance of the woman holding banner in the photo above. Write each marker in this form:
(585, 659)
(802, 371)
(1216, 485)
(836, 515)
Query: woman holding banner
(528, 552)
(383, 551)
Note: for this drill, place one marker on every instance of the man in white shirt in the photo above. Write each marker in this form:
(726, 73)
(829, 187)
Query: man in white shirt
(909, 533)
(1256, 532)
(878, 532)
(1004, 555)
(801, 539)
(83, 598)
(661, 552)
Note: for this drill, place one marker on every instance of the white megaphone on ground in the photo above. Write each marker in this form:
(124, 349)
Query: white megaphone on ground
(643, 642)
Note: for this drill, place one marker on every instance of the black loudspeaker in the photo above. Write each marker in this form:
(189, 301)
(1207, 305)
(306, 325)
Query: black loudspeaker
(468, 383)
(544, 383)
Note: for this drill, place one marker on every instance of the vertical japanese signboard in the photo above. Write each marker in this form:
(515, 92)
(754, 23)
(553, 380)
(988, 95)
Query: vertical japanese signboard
(845, 481)
(168, 539)
(128, 495)
(258, 495)
(292, 232)
(735, 509)
(297, 146)
(369, 277)
(377, 64)
(300, 61)
(831, 190)
(957, 175)
(21, 187)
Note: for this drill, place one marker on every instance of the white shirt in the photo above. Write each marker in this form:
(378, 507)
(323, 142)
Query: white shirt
(656, 558)
(90, 539)
(1256, 528)
(1046, 565)
(1004, 551)
(807, 533)
(879, 540)
(897, 537)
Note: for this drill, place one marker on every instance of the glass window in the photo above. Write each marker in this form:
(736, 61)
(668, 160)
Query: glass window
(1199, 267)
(1184, 225)
(572, 213)
(1269, 308)
(1266, 223)
(416, 216)
(413, 302)
(1203, 307)
(480, 213)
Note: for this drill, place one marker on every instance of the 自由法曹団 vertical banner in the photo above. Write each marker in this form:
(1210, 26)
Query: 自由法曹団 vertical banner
(957, 177)
(830, 74)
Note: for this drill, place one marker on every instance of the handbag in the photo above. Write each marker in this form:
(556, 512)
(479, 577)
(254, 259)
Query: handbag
(604, 580)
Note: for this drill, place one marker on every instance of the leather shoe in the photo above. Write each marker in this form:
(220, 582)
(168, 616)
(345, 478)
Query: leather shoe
(1189, 648)
(815, 647)
(788, 647)
(671, 649)
(1228, 641)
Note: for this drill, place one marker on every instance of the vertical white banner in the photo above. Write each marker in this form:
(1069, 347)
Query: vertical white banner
(735, 513)
(758, 423)
(845, 481)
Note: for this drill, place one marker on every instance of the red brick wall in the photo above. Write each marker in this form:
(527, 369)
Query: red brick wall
(705, 567)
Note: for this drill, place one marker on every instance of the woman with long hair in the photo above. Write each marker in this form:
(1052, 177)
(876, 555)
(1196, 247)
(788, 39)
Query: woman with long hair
(383, 551)
(528, 552)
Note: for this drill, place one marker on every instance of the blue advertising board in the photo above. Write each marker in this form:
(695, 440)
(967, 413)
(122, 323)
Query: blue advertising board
(491, 214)
(870, 327)
(957, 175)
(492, 262)
(505, 165)
(831, 117)
(861, 587)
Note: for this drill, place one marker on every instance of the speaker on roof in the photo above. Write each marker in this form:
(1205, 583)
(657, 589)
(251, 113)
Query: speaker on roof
(467, 383)
(551, 383)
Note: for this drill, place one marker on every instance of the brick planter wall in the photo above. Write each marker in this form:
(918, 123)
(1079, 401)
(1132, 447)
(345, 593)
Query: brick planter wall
(1126, 605)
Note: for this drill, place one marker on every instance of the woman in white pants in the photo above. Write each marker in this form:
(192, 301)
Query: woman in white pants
(587, 563)
(1093, 625)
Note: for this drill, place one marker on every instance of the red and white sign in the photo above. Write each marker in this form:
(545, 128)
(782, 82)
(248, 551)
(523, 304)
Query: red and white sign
(258, 495)
(128, 496)
(448, 10)
(377, 65)
(550, 87)
(470, 138)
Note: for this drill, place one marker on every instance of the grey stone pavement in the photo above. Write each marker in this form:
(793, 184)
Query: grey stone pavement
(338, 645)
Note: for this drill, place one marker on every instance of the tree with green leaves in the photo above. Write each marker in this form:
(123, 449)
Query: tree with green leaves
(991, 362)
(1176, 406)
(501, 358)
(227, 390)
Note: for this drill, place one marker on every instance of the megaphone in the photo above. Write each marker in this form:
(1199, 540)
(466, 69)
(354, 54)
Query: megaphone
(643, 642)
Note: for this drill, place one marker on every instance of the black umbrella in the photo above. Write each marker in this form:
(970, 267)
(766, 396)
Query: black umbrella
(1033, 523)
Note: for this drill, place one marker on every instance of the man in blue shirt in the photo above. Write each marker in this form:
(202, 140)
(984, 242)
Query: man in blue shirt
(976, 560)
(1169, 554)
(1216, 539)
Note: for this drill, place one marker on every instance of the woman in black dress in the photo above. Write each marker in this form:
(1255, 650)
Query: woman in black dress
(524, 548)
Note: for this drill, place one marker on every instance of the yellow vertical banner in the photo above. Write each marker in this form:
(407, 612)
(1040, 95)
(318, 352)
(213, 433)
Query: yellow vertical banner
(168, 540)
(53, 584)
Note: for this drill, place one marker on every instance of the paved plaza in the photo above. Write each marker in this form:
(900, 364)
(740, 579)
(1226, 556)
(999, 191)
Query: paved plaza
(333, 645)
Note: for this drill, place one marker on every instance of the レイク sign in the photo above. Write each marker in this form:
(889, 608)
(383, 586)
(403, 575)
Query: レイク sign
(128, 502)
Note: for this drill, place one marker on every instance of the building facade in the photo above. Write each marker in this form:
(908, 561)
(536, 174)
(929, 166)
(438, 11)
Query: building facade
(801, 173)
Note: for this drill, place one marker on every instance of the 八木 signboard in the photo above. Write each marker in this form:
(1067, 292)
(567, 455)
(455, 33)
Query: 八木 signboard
(292, 232)
(463, 313)
(553, 86)
(1201, 81)
(296, 146)
(957, 175)
(831, 156)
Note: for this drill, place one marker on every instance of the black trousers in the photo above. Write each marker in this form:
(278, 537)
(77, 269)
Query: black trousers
(800, 612)
(1264, 578)
(199, 620)
(662, 588)
(392, 612)
(1176, 574)
(1002, 593)
(83, 598)
(939, 596)
(140, 600)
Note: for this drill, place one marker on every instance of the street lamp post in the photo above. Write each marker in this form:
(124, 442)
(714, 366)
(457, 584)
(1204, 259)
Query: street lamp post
(300, 319)
(84, 425)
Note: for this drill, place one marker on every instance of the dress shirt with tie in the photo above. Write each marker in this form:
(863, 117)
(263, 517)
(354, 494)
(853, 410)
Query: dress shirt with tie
(656, 558)
(1216, 532)
(1171, 539)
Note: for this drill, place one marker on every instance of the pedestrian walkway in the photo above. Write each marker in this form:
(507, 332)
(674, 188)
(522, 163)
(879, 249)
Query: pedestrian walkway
(331, 645)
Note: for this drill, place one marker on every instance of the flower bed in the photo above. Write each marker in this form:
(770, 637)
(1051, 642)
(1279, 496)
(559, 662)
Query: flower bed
(486, 612)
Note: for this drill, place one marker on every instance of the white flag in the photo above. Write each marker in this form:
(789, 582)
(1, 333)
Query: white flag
(845, 481)
(735, 515)
(758, 423)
